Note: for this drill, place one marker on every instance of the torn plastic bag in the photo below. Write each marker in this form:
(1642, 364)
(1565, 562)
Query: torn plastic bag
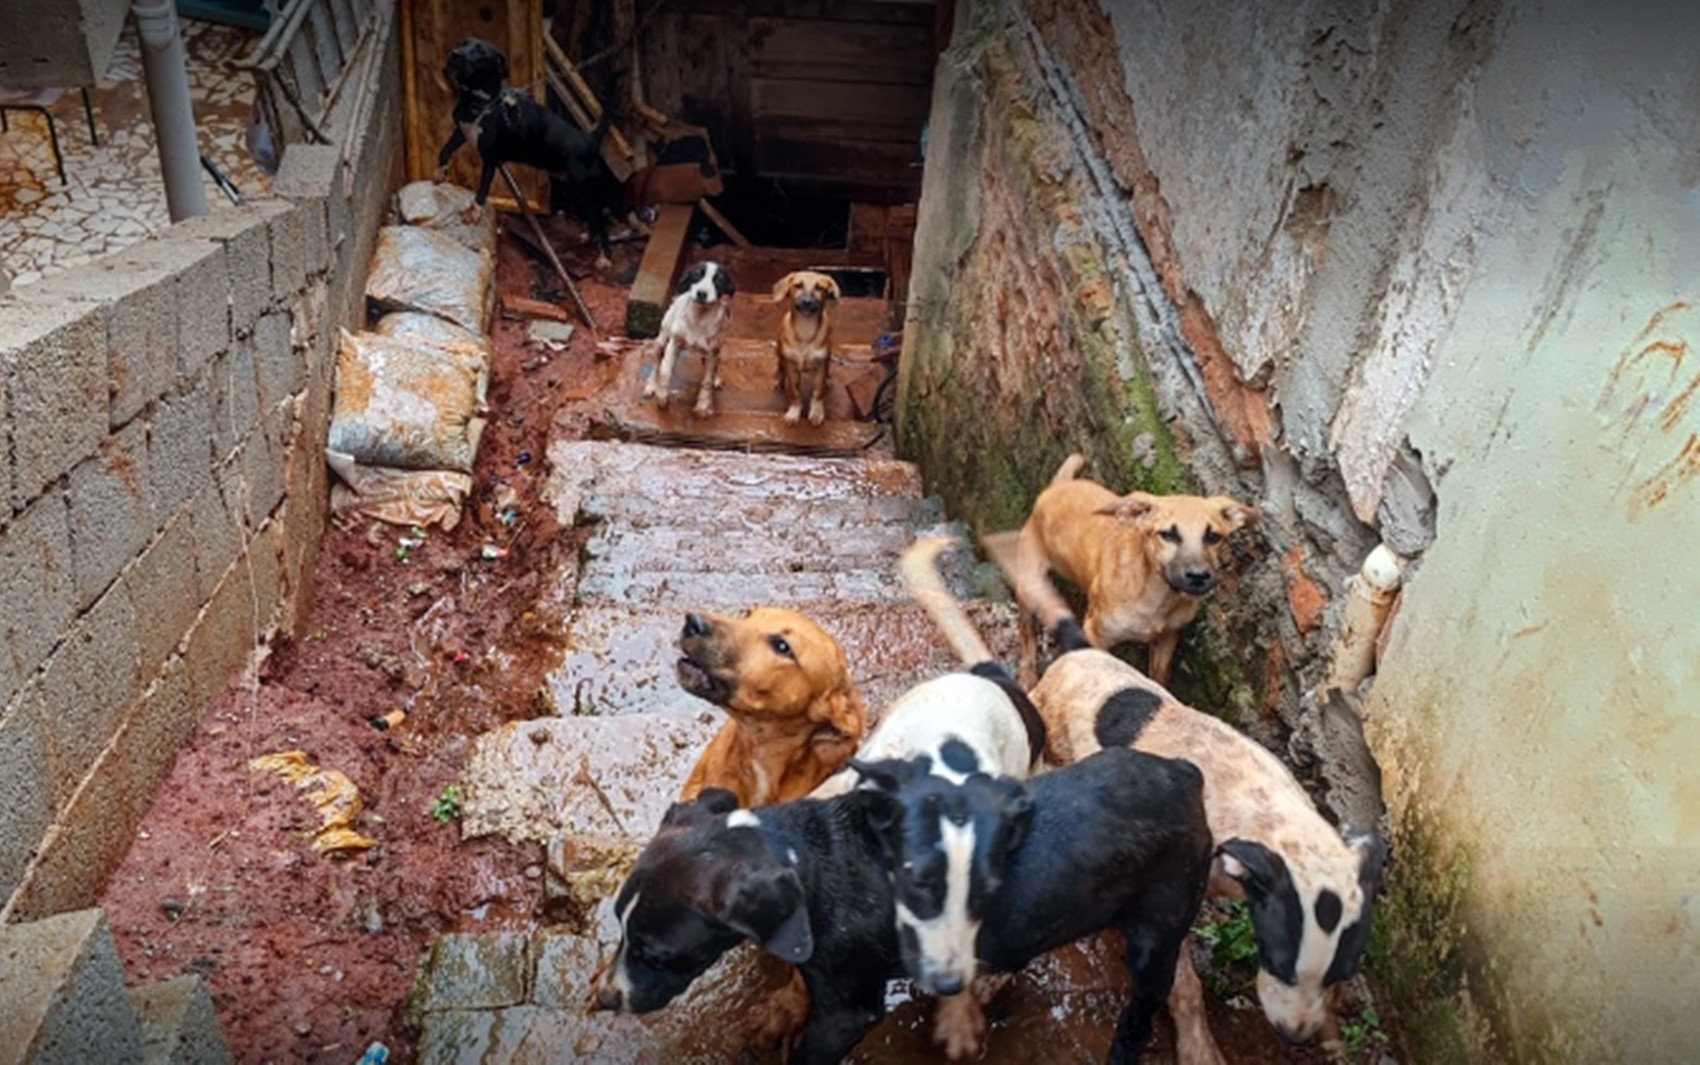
(331, 793)
(412, 406)
(400, 497)
(420, 269)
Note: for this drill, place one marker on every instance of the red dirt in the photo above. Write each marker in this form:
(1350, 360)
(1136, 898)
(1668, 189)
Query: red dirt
(311, 958)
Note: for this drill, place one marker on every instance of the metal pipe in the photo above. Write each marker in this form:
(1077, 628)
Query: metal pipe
(165, 64)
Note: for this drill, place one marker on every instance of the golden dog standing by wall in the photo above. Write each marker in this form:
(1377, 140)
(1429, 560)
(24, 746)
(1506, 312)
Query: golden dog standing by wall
(804, 345)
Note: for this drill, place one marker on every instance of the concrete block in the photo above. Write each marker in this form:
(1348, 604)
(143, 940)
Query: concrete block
(62, 997)
(180, 449)
(259, 468)
(84, 690)
(138, 290)
(309, 172)
(203, 305)
(179, 1025)
(53, 361)
(37, 593)
(218, 536)
(288, 234)
(221, 640)
(245, 234)
(111, 511)
(156, 730)
(279, 367)
(235, 398)
(164, 586)
(482, 971)
(5, 451)
(24, 794)
(87, 841)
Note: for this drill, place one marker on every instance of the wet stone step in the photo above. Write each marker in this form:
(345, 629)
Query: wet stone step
(622, 661)
(727, 591)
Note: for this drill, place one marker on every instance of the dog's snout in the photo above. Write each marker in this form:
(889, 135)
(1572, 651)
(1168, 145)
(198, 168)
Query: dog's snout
(696, 625)
(948, 985)
(609, 999)
(1294, 1037)
(1198, 578)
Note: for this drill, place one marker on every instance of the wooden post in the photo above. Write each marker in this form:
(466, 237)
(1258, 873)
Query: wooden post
(653, 288)
(554, 260)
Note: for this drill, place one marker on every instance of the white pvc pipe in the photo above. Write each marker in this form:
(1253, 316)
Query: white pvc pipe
(165, 64)
(1369, 597)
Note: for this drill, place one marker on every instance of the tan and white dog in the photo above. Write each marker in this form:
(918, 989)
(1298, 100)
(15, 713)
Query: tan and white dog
(1311, 889)
(1144, 561)
(804, 345)
(695, 321)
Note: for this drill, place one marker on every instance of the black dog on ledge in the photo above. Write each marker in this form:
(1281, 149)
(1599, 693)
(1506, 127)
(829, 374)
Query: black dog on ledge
(507, 126)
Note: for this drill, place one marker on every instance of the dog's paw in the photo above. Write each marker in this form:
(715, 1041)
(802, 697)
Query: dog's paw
(718, 383)
(604, 263)
(442, 175)
(662, 398)
(705, 403)
(649, 388)
(817, 414)
(959, 1026)
(472, 213)
(794, 414)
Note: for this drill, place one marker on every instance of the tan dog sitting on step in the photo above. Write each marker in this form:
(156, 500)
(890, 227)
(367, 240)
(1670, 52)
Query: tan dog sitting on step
(804, 345)
(1145, 562)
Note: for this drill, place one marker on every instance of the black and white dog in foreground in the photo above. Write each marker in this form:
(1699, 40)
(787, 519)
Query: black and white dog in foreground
(696, 320)
(1311, 888)
(506, 125)
(1117, 840)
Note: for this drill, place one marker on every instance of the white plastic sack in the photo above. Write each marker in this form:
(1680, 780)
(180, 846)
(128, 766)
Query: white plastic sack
(419, 269)
(407, 405)
(411, 327)
(400, 497)
(440, 207)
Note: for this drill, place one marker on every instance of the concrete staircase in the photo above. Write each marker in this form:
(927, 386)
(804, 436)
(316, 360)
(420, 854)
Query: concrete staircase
(63, 1000)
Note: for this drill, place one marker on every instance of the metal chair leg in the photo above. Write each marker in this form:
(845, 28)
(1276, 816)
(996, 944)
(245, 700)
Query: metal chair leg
(53, 136)
(88, 112)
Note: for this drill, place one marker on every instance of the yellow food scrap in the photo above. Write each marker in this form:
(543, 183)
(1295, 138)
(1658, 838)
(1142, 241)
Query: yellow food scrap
(331, 793)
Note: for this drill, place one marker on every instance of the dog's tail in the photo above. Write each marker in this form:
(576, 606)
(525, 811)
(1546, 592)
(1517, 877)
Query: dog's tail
(921, 572)
(1033, 588)
(1069, 470)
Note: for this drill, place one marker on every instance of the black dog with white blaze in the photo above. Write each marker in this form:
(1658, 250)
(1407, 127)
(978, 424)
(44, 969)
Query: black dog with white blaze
(1117, 840)
(508, 126)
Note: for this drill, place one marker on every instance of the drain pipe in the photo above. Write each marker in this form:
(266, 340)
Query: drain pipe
(1369, 597)
(165, 64)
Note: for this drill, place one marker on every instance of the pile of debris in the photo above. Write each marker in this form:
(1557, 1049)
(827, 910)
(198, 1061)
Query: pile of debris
(411, 392)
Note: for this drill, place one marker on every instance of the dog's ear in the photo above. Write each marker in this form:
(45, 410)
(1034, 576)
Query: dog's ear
(691, 277)
(1131, 507)
(783, 287)
(723, 282)
(711, 801)
(1255, 866)
(1372, 858)
(1235, 515)
(1017, 812)
(831, 287)
(768, 905)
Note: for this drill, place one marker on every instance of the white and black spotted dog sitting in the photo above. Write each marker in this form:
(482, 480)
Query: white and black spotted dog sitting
(696, 320)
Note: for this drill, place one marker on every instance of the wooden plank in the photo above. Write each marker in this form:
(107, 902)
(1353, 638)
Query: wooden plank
(842, 51)
(726, 226)
(654, 284)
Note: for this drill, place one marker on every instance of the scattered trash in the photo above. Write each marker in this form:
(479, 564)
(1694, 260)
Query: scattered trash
(533, 364)
(385, 722)
(332, 793)
(174, 908)
(549, 334)
(376, 1054)
(524, 458)
(491, 552)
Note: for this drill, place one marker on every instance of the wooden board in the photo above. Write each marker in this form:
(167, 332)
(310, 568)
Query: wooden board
(654, 284)
(429, 30)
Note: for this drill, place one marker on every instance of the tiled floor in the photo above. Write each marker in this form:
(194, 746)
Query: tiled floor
(115, 195)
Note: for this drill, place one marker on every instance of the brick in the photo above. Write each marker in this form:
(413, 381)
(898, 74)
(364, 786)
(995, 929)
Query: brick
(203, 309)
(180, 449)
(258, 472)
(279, 368)
(85, 688)
(164, 585)
(111, 511)
(24, 795)
(288, 235)
(218, 537)
(37, 593)
(87, 842)
(477, 971)
(159, 726)
(235, 398)
(53, 360)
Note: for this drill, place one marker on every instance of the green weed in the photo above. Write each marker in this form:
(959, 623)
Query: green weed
(446, 807)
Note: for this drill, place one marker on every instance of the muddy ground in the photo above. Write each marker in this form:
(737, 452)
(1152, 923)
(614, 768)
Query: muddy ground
(311, 958)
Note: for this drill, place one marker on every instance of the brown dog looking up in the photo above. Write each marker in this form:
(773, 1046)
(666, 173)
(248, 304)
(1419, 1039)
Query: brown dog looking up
(796, 716)
(804, 346)
(1145, 562)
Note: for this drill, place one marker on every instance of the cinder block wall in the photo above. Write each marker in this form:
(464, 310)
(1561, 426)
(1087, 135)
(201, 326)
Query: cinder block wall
(163, 413)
